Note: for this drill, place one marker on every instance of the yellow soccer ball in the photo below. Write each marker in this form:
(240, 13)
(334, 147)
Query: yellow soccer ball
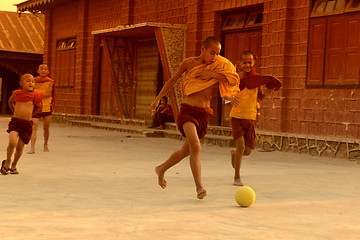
(245, 196)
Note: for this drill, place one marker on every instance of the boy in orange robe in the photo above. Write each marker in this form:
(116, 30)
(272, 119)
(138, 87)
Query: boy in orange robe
(23, 103)
(202, 72)
(45, 85)
(245, 108)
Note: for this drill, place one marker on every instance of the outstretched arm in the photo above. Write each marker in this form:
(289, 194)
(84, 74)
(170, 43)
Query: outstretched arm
(168, 86)
(234, 101)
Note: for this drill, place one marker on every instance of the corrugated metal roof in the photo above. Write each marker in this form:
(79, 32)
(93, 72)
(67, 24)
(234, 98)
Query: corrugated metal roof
(22, 34)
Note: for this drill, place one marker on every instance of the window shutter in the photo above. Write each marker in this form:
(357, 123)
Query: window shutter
(316, 52)
(334, 51)
(352, 51)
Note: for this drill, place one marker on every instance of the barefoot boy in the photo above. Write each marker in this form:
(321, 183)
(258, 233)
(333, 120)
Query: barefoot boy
(202, 72)
(46, 85)
(163, 114)
(244, 109)
(23, 103)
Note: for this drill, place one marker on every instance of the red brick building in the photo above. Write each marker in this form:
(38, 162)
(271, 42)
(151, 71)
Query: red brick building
(110, 57)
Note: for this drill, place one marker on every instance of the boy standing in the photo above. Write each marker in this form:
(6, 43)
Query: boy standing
(202, 72)
(245, 108)
(23, 103)
(46, 85)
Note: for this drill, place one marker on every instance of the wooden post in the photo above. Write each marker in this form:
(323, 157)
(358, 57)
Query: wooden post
(166, 69)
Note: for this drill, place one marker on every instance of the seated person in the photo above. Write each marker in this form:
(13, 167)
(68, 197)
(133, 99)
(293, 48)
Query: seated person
(163, 114)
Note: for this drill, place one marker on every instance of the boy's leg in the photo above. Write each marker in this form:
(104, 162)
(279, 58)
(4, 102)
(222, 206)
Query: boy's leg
(33, 135)
(46, 127)
(247, 151)
(19, 150)
(13, 136)
(237, 158)
(175, 158)
(156, 120)
(195, 164)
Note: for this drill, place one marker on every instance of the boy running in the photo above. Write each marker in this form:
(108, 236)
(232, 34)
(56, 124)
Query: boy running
(202, 72)
(24, 103)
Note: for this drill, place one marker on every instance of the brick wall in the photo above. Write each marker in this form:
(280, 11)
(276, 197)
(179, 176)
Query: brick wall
(293, 109)
(63, 23)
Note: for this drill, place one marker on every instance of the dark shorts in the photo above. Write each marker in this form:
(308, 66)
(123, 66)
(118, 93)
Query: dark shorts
(245, 128)
(43, 114)
(197, 115)
(23, 127)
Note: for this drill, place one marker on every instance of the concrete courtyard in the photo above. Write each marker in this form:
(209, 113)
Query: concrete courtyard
(96, 184)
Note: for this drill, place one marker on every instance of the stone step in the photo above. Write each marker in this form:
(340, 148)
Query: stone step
(215, 136)
(330, 146)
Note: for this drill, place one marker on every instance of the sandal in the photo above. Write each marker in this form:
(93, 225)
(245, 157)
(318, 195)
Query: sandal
(3, 169)
(13, 171)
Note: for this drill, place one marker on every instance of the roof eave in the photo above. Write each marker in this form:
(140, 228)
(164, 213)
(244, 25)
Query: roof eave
(34, 6)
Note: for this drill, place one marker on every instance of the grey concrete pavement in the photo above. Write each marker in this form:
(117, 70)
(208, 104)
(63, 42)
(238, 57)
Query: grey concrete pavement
(96, 184)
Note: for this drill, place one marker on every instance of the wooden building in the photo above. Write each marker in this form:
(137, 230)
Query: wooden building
(21, 50)
(111, 57)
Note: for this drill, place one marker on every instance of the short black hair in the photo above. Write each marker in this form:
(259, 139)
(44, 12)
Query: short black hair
(209, 41)
(246, 53)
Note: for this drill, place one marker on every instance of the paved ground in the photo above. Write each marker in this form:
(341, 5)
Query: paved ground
(97, 184)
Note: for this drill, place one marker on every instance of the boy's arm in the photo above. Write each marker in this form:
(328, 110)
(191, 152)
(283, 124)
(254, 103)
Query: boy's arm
(207, 75)
(11, 102)
(168, 86)
(37, 108)
(262, 93)
(234, 101)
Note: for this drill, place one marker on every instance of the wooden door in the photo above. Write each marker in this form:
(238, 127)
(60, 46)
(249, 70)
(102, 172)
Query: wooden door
(235, 44)
(107, 102)
(147, 64)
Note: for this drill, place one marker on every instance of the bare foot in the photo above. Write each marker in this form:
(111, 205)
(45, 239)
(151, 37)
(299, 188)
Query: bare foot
(238, 182)
(31, 151)
(46, 149)
(232, 153)
(160, 127)
(161, 179)
(201, 193)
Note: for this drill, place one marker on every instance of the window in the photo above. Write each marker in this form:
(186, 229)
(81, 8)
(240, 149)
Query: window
(254, 19)
(328, 7)
(65, 62)
(243, 20)
(354, 5)
(234, 21)
(334, 44)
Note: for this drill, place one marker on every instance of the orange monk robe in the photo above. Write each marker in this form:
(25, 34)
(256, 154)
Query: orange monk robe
(191, 84)
(49, 101)
(248, 95)
(27, 96)
(253, 80)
